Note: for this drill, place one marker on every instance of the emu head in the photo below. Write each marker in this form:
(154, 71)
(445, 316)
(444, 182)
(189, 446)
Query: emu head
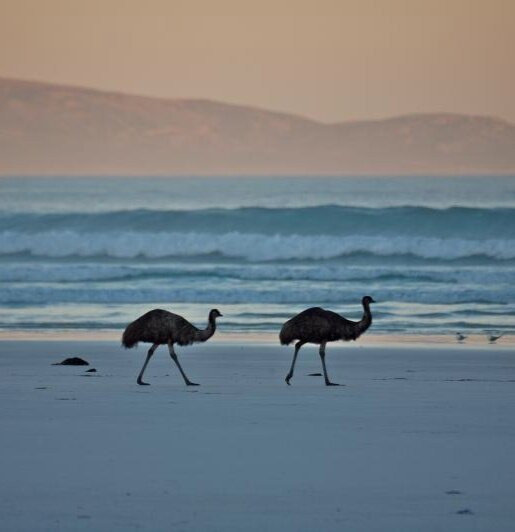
(367, 300)
(214, 313)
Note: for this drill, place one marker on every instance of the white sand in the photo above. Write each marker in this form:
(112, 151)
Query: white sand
(246, 452)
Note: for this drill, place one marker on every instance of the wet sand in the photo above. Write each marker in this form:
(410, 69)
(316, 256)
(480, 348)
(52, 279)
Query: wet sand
(419, 438)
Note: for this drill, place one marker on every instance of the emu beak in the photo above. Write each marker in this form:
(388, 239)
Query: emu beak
(373, 300)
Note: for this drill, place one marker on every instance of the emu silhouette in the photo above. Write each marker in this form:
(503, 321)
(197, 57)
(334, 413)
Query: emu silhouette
(318, 326)
(160, 327)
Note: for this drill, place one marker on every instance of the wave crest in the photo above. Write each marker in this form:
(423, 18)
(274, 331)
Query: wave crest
(328, 220)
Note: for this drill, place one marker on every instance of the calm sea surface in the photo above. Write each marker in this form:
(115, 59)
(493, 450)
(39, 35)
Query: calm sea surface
(438, 255)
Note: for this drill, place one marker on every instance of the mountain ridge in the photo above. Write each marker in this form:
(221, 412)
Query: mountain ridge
(54, 129)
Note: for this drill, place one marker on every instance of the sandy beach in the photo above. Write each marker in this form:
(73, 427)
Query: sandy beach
(225, 181)
(417, 439)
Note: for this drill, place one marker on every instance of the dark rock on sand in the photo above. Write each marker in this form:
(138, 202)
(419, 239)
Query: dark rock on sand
(74, 361)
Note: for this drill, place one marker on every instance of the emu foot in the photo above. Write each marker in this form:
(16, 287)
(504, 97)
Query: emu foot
(287, 380)
(329, 383)
(189, 383)
(141, 383)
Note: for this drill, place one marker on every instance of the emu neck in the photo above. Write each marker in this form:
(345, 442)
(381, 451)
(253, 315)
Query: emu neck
(206, 333)
(366, 320)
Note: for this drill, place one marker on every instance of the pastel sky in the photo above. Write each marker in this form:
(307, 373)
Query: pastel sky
(329, 60)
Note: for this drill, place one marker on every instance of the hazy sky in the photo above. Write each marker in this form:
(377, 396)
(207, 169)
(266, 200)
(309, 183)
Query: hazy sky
(329, 60)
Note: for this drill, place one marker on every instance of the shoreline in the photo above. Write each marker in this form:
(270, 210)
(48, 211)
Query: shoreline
(268, 338)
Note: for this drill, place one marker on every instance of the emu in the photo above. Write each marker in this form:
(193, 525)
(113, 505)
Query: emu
(160, 327)
(318, 326)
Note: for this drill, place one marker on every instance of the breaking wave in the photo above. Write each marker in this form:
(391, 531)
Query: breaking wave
(261, 234)
(435, 268)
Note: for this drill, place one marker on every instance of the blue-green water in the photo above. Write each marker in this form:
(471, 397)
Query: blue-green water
(93, 253)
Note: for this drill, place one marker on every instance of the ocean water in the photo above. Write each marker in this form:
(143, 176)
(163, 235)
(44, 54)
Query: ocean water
(438, 255)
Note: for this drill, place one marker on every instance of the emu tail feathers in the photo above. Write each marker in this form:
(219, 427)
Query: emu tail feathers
(286, 336)
(129, 337)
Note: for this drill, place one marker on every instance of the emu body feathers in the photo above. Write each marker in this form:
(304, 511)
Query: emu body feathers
(160, 327)
(318, 326)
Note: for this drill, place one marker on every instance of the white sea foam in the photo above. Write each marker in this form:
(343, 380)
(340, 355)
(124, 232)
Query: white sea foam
(66, 246)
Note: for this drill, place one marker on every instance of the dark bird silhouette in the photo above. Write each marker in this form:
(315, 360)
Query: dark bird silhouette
(318, 326)
(460, 337)
(160, 327)
(492, 338)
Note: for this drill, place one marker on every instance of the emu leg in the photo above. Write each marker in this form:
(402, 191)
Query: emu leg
(176, 360)
(322, 357)
(149, 356)
(298, 345)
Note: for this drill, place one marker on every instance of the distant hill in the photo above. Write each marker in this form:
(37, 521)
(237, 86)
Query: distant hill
(48, 129)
